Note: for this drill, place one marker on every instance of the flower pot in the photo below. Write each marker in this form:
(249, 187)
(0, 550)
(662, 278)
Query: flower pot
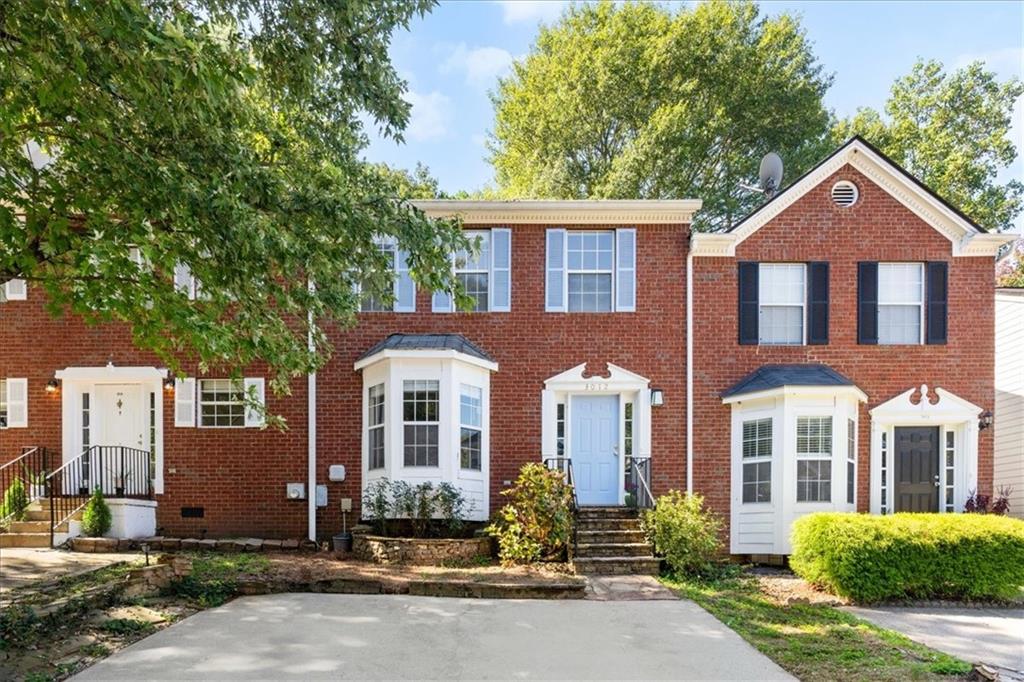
(36, 491)
(342, 542)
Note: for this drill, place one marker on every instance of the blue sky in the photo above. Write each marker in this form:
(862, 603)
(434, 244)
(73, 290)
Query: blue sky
(452, 57)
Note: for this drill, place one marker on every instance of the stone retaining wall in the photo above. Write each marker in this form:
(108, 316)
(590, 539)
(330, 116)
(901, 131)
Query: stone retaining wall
(424, 552)
(165, 544)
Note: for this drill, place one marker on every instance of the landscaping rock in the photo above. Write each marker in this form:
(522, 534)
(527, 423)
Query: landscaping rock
(253, 545)
(289, 544)
(194, 544)
(429, 552)
(269, 545)
(170, 544)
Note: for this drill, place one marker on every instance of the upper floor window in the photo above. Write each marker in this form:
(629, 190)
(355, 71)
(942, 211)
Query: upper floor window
(782, 290)
(591, 271)
(484, 271)
(900, 303)
(403, 296)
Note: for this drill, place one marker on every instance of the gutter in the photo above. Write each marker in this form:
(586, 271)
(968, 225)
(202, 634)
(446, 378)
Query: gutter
(689, 371)
(311, 436)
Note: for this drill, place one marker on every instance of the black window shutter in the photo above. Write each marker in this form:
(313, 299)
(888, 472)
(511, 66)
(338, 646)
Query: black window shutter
(817, 296)
(937, 292)
(748, 303)
(867, 302)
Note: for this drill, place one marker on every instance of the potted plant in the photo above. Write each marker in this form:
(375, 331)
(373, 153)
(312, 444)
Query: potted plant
(36, 484)
(343, 540)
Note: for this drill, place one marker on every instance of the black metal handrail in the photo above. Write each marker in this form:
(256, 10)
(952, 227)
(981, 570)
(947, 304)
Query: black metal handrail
(30, 468)
(118, 472)
(564, 464)
(638, 480)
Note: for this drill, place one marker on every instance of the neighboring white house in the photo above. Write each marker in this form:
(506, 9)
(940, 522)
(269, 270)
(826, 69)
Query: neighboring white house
(1009, 413)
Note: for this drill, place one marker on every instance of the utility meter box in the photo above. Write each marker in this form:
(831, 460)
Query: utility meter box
(295, 491)
(321, 496)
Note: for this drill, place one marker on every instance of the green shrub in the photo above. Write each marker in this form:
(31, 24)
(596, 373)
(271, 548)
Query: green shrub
(96, 516)
(537, 522)
(15, 502)
(910, 556)
(431, 510)
(684, 532)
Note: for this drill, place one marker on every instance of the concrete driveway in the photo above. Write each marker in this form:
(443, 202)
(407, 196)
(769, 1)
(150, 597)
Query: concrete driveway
(993, 636)
(320, 636)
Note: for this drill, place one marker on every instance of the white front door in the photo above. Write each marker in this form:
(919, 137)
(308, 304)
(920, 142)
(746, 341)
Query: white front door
(120, 419)
(594, 449)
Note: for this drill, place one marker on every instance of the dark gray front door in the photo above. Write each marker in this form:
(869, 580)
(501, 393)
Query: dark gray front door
(917, 469)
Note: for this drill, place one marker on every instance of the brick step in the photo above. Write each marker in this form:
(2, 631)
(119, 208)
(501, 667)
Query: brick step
(36, 526)
(596, 524)
(24, 540)
(617, 565)
(614, 549)
(606, 513)
(596, 536)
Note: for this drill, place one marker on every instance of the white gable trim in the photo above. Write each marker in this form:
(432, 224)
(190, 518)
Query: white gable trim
(618, 379)
(964, 237)
(947, 408)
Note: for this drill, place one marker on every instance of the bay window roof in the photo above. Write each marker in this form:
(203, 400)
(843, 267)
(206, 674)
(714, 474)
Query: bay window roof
(445, 345)
(771, 377)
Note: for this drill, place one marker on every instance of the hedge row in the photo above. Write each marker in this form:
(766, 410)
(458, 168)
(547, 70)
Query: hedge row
(911, 556)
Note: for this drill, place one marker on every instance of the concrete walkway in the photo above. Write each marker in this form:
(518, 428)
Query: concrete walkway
(327, 636)
(22, 566)
(992, 636)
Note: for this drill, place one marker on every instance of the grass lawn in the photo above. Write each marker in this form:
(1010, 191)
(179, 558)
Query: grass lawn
(816, 642)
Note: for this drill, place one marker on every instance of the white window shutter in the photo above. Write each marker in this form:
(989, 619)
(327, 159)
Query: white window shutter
(184, 402)
(405, 288)
(549, 424)
(554, 300)
(15, 290)
(501, 270)
(183, 280)
(625, 270)
(254, 387)
(17, 403)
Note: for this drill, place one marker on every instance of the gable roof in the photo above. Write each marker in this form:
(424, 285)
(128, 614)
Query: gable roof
(767, 377)
(453, 342)
(967, 237)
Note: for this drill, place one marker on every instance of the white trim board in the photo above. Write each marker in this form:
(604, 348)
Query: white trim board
(579, 212)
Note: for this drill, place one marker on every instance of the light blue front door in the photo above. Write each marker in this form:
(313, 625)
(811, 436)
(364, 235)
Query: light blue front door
(593, 448)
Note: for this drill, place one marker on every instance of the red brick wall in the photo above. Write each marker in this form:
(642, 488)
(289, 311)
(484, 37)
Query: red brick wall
(238, 475)
(876, 228)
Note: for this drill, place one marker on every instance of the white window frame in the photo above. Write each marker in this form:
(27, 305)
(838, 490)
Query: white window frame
(477, 393)
(920, 303)
(757, 459)
(8, 384)
(381, 426)
(851, 461)
(817, 456)
(763, 270)
(14, 290)
(610, 270)
(442, 302)
(201, 402)
(384, 245)
(483, 267)
(435, 423)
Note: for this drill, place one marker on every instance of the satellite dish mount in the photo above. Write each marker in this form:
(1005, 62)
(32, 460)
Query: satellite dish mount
(769, 176)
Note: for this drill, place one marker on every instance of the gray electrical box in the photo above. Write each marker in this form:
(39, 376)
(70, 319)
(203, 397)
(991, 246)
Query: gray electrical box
(321, 496)
(295, 491)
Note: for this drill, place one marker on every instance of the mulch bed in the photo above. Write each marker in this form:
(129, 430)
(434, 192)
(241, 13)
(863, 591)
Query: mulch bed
(783, 587)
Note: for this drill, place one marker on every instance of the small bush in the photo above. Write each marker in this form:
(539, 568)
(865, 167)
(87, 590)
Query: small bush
(96, 516)
(537, 522)
(15, 502)
(684, 532)
(422, 505)
(910, 556)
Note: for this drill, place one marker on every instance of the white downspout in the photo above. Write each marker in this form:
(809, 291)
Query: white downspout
(689, 369)
(311, 436)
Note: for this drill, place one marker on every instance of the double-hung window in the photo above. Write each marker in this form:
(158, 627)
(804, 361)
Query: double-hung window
(782, 290)
(851, 461)
(375, 426)
(814, 459)
(403, 295)
(757, 460)
(471, 426)
(420, 417)
(484, 271)
(221, 403)
(591, 271)
(900, 303)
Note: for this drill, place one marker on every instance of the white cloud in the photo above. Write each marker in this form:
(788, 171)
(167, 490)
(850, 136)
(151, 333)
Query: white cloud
(481, 65)
(520, 11)
(1006, 61)
(431, 114)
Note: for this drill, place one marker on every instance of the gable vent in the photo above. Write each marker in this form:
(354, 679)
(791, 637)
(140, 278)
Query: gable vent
(844, 193)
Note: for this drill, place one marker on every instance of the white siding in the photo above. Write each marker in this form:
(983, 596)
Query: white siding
(1009, 409)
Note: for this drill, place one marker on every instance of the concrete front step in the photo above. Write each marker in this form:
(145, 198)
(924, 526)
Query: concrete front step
(606, 512)
(617, 565)
(24, 540)
(601, 536)
(599, 524)
(36, 527)
(614, 549)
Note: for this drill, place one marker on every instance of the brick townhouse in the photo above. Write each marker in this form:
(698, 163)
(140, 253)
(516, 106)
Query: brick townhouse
(836, 347)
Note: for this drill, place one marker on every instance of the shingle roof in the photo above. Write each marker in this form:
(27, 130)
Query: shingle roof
(455, 342)
(774, 376)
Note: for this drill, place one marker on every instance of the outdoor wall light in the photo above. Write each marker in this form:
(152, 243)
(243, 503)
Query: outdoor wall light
(52, 385)
(657, 397)
(985, 420)
(169, 383)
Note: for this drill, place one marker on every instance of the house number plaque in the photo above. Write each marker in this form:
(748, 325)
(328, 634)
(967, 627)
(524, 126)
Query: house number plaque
(597, 386)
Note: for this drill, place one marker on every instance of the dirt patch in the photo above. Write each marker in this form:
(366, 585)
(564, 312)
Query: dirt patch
(785, 588)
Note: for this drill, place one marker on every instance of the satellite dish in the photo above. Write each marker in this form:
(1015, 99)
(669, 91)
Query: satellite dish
(771, 173)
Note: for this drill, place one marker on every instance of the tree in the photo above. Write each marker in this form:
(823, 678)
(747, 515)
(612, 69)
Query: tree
(140, 137)
(419, 184)
(1010, 270)
(950, 130)
(633, 101)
